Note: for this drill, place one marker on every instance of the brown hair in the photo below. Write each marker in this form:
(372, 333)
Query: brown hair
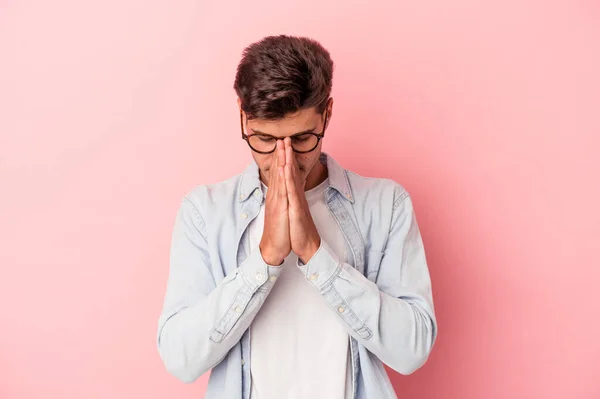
(282, 74)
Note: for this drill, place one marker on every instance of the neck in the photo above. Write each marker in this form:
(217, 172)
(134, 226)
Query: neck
(316, 176)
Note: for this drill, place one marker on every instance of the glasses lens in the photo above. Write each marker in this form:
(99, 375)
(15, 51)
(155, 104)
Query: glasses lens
(304, 142)
(262, 143)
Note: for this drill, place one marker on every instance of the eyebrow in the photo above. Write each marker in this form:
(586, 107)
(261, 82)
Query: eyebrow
(295, 134)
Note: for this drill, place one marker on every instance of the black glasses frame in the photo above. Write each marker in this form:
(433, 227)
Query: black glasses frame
(247, 138)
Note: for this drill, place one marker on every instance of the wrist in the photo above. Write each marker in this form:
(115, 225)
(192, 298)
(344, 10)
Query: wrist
(270, 259)
(311, 249)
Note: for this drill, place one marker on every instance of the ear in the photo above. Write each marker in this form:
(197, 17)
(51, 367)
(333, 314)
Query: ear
(329, 108)
(241, 112)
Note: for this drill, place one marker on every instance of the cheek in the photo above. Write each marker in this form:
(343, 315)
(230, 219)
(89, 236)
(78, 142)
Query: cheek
(306, 162)
(302, 162)
(263, 161)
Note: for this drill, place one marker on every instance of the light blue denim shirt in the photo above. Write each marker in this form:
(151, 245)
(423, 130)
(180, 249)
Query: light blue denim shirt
(216, 285)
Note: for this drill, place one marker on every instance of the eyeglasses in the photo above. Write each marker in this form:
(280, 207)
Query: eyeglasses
(266, 144)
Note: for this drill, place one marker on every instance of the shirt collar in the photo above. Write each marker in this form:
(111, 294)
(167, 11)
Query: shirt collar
(338, 179)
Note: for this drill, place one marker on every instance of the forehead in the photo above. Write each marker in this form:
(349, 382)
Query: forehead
(292, 123)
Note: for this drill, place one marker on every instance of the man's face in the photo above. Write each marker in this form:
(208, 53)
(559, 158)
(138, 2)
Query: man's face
(306, 120)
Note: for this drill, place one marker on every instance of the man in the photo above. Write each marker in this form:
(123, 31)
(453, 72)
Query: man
(296, 278)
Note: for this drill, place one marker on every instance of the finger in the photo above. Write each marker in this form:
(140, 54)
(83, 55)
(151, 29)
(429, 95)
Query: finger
(274, 178)
(291, 160)
(281, 153)
(289, 152)
(274, 170)
(281, 187)
(287, 143)
(291, 184)
(276, 157)
(272, 186)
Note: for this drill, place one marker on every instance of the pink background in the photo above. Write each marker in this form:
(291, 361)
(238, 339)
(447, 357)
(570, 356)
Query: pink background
(487, 112)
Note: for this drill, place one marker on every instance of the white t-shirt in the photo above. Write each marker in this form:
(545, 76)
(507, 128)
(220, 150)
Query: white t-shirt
(298, 346)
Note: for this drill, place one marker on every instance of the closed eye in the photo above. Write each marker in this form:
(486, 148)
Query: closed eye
(302, 137)
(265, 139)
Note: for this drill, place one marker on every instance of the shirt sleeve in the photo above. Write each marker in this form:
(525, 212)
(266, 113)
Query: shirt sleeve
(203, 319)
(392, 317)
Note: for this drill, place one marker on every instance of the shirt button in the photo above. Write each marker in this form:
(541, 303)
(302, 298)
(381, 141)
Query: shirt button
(259, 277)
(313, 277)
(257, 194)
(341, 309)
(244, 215)
(273, 278)
(243, 362)
(242, 196)
(238, 309)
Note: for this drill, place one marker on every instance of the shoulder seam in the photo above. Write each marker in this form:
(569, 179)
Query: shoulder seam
(400, 200)
(196, 213)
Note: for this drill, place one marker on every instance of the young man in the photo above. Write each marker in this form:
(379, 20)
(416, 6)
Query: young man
(296, 278)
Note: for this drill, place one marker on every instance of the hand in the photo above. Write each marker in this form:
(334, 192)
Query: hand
(304, 237)
(275, 242)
